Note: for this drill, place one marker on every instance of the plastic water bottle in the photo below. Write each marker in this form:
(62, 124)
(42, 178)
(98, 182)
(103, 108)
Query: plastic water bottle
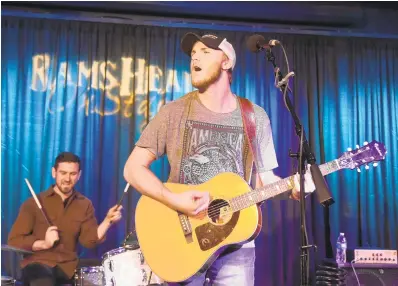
(341, 249)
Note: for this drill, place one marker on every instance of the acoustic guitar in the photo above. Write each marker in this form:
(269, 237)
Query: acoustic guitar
(178, 247)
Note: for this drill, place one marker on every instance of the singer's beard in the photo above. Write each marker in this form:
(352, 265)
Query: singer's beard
(204, 83)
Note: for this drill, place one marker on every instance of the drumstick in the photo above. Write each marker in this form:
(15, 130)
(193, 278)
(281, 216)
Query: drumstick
(37, 201)
(40, 207)
(124, 192)
(121, 199)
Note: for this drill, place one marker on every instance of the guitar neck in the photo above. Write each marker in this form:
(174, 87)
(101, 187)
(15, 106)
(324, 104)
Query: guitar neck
(269, 191)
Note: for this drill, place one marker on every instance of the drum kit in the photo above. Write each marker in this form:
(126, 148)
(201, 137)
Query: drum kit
(7, 280)
(123, 266)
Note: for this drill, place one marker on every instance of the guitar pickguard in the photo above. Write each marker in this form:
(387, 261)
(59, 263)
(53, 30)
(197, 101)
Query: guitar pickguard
(210, 235)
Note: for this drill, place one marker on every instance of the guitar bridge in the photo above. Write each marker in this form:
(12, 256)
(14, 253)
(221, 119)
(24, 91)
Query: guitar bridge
(186, 227)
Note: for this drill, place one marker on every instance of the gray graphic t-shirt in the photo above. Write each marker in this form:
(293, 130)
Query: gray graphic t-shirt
(200, 143)
(210, 149)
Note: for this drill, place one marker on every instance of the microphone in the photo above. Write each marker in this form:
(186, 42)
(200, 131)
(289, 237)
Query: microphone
(257, 43)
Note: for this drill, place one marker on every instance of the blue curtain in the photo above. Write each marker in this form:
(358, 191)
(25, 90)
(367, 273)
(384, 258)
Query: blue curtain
(91, 88)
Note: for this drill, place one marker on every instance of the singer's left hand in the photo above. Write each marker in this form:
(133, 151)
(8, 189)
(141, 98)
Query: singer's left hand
(309, 185)
(114, 214)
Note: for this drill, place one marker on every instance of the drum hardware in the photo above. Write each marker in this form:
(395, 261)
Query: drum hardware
(150, 276)
(144, 276)
(141, 258)
(131, 241)
(111, 265)
(7, 281)
(6, 247)
(89, 276)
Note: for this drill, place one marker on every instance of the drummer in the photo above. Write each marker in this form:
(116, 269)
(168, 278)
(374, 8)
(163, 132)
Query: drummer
(72, 215)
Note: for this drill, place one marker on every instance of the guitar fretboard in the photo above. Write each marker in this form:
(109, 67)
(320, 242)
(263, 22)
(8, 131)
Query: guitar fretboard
(274, 189)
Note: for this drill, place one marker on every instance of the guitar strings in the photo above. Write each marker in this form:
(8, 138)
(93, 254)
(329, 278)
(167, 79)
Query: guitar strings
(214, 209)
(254, 193)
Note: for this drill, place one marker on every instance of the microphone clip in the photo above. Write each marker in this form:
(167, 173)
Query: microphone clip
(284, 80)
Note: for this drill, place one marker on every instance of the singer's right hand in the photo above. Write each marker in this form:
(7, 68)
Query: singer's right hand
(51, 236)
(190, 203)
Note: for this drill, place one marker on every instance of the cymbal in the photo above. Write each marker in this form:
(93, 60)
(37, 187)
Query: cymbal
(6, 247)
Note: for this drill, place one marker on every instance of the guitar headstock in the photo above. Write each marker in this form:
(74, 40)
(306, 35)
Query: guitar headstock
(370, 152)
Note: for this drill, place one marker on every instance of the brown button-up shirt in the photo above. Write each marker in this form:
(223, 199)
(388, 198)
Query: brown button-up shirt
(76, 222)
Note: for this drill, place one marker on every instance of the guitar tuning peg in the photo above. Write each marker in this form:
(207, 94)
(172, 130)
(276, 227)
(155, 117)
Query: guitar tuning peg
(375, 164)
(365, 143)
(349, 149)
(367, 167)
(357, 146)
(358, 170)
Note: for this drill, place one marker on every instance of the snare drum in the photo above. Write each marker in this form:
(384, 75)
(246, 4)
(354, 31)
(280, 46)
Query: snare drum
(7, 281)
(126, 267)
(89, 276)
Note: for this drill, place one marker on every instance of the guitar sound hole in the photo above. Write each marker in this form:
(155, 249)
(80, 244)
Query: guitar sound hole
(219, 212)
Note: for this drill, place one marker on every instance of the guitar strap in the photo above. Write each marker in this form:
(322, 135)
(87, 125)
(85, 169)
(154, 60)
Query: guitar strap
(249, 125)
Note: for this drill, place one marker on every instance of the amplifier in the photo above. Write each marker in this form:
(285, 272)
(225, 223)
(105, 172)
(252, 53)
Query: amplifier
(375, 256)
(372, 275)
(331, 273)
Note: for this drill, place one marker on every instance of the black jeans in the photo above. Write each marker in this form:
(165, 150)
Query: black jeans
(37, 274)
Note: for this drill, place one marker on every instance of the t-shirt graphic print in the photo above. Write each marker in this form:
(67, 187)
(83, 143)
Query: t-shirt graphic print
(210, 149)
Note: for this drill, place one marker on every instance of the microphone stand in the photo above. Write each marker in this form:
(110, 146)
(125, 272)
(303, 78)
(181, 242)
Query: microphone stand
(304, 155)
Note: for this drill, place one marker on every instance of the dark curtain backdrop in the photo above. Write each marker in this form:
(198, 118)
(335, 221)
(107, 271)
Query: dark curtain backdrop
(90, 88)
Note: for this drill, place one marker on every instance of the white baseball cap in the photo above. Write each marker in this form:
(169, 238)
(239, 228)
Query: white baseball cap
(211, 41)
